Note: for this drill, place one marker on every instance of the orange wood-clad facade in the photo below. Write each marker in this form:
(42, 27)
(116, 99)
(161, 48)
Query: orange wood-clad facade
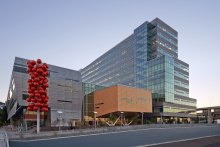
(122, 98)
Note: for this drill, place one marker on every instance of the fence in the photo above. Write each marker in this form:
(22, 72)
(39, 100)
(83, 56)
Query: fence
(77, 132)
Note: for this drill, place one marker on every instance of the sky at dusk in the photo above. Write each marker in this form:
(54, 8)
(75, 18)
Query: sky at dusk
(72, 34)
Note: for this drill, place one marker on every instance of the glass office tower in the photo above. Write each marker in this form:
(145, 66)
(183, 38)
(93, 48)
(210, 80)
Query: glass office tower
(148, 58)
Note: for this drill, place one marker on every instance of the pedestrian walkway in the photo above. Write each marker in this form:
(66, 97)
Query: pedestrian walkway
(3, 139)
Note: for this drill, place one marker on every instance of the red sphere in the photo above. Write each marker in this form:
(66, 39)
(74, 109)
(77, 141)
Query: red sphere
(28, 62)
(33, 62)
(37, 94)
(31, 94)
(40, 100)
(45, 85)
(35, 108)
(33, 100)
(29, 108)
(39, 61)
(28, 100)
(44, 109)
(29, 91)
(45, 105)
(31, 105)
(32, 76)
(34, 69)
(41, 82)
(36, 74)
(38, 104)
(43, 96)
(30, 66)
(45, 80)
(40, 88)
(41, 78)
(46, 65)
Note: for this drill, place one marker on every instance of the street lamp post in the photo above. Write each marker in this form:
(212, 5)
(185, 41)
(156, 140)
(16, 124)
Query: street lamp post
(121, 118)
(95, 118)
(142, 118)
(59, 118)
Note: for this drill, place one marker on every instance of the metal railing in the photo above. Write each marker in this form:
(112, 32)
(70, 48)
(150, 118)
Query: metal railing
(98, 130)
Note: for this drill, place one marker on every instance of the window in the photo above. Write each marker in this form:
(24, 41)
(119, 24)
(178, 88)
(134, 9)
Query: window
(20, 69)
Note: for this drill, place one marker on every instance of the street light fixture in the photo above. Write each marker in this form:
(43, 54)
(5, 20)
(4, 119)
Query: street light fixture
(95, 118)
(121, 118)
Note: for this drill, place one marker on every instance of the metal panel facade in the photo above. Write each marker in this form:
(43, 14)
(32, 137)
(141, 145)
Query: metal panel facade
(122, 98)
(65, 91)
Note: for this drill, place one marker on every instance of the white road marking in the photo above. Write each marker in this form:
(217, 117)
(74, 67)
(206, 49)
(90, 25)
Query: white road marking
(182, 140)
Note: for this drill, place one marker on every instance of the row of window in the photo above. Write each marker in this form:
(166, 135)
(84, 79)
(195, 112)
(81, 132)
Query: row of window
(166, 38)
(182, 93)
(181, 84)
(181, 66)
(184, 102)
(167, 31)
(181, 75)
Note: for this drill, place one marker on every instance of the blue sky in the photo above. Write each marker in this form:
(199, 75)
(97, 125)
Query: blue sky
(72, 34)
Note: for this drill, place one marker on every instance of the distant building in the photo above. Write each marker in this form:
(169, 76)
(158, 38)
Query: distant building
(65, 95)
(148, 58)
(208, 114)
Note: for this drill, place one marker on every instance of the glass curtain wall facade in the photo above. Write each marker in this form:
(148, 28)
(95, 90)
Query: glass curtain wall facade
(148, 58)
(88, 101)
(115, 66)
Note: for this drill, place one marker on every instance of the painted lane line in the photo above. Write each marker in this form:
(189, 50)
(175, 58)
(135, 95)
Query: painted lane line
(175, 141)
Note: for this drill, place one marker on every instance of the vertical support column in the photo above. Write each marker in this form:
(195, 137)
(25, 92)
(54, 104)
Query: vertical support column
(38, 120)
(209, 116)
(95, 120)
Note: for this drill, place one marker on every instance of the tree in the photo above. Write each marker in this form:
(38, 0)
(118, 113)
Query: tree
(3, 116)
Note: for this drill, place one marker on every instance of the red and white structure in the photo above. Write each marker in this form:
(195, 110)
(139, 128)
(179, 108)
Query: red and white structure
(37, 88)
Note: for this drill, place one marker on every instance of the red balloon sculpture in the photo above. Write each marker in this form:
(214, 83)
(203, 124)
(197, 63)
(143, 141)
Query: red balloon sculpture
(37, 86)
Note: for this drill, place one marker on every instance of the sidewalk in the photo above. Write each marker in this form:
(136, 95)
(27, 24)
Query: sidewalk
(77, 132)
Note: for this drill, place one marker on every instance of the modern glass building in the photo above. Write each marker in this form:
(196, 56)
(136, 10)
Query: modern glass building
(148, 58)
(88, 101)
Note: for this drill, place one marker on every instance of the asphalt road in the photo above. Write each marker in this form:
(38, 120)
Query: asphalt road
(132, 138)
(202, 142)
